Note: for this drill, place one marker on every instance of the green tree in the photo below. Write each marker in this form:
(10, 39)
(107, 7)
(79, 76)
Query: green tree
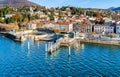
(1, 20)
(7, 20)
(51, 17)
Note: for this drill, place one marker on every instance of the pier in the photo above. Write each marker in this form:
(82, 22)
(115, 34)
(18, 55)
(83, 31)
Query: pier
(51, 47)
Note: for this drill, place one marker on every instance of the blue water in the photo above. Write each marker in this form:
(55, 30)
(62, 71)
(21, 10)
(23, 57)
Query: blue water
(88, 60)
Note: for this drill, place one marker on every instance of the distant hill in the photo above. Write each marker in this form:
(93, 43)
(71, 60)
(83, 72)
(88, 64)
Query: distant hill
(113, 8)
(16, 3)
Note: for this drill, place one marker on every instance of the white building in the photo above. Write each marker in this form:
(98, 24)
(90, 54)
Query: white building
(9, 15)
(108, 21)
(103, 28)
(118, 29)
(64, 26)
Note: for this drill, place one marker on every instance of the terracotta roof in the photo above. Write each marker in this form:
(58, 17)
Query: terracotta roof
(62, 23)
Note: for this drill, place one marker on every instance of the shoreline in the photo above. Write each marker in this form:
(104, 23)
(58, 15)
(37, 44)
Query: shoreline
(102, 42)
(93, 41)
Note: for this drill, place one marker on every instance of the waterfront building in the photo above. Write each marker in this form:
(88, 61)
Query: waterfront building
(86, 27)
(103, 28)
(64, 26)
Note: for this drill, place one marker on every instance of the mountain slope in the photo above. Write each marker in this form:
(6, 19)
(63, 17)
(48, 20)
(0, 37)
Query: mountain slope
(118, 8)
(113, 8)
(16, 3)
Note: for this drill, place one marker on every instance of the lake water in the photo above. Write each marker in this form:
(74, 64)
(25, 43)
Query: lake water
(87, 60)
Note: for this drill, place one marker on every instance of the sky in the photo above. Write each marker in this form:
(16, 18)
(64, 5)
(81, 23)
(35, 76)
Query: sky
(79, 3)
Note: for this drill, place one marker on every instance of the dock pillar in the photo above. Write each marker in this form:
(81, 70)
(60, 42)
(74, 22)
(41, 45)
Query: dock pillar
(69, 51)
(51, 46)
(46, 48)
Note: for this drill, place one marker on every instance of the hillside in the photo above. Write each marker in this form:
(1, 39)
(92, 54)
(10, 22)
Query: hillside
(16, 3)
(118, 8)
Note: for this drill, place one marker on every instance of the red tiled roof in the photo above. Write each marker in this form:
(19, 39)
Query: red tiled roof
(62, 23)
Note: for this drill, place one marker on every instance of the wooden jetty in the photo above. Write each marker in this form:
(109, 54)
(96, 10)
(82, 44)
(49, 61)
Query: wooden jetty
(52, 47)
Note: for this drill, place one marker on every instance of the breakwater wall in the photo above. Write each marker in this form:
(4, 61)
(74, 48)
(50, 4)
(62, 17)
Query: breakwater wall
(105, 42)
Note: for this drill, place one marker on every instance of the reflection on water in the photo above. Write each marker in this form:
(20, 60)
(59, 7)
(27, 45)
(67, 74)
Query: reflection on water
(52, 55)
(82, 46)
(38, 44)
(28, 53)
(30, 59)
